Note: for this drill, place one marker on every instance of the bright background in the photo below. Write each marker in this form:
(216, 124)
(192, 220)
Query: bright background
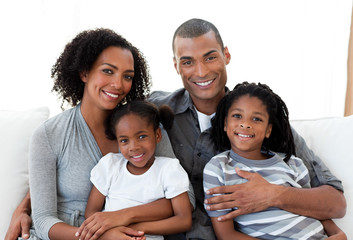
(298, 47)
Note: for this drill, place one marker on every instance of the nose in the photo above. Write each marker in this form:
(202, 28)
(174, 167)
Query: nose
(245, 125)
(134, 145)
(201, 69)
(117, 82)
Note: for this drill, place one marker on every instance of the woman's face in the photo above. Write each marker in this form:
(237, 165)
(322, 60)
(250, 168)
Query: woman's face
(109, 80)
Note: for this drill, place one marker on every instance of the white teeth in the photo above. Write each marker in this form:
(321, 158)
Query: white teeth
(112, 95)
(204, 83)
(243, 135)
(137, 156)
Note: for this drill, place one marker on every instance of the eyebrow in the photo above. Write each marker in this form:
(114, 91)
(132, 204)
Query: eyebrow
(110, 65)
(205, 55)
(116, 68)
(210, 52)
(256, 113)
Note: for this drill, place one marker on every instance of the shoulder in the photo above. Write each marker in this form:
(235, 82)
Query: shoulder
(218, 161)
(54, 126)
(166, 162)
(293, 160)
(168, 98)
(112, 159)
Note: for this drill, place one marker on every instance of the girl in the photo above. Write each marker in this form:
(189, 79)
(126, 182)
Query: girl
(253, 122)
(97, 71)
(136, 176)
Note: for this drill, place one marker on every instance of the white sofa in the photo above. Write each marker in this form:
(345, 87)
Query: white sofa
(329, 138)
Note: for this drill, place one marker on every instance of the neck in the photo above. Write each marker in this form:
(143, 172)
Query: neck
(207, 106)
(94, 117)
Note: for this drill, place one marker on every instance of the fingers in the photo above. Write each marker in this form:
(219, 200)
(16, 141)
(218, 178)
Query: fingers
(25, 225)
(91, 231)
(244, 174)
(132, 232)
(230, 215)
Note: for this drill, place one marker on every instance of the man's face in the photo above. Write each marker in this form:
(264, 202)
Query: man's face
(201, 63)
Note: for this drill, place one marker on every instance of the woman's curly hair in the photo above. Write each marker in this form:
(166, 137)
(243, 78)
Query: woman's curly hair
(79, 56)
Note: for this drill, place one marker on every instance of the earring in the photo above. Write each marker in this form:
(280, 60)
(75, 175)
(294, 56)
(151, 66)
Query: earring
(124, 101)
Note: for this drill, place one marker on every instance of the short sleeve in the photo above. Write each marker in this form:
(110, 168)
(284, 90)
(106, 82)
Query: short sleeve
(302, 173)
(101, 174)
(175, 179)
(213, 177)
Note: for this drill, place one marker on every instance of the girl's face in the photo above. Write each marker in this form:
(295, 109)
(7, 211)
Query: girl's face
(247, 124)
(109, 80)
(137, 142)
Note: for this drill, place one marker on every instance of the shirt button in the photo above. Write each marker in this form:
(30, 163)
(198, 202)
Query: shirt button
(199, 154)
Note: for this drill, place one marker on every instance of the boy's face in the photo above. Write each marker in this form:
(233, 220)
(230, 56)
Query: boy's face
(137, 142)
(201, 63)
(247, 125)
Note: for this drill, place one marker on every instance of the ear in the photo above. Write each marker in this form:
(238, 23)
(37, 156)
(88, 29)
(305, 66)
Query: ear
(83, 76)
(227, 55)
(158, 135)
(268, 131)
(175, 65)
(225, 125)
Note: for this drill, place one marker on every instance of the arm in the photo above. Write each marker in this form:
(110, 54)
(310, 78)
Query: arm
(153, 211)
(20, 221)
(181, 221)
(333, 230)
(225, 230)
(95, 202)
(257, 195)
(43, 186)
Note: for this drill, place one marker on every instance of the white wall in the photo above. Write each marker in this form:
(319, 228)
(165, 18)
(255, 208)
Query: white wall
(298, 47)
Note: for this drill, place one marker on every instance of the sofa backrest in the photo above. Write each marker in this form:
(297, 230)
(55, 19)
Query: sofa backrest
(16, 128)
(331, 140)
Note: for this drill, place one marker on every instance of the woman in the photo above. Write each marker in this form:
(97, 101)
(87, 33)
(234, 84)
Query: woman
(97, 71)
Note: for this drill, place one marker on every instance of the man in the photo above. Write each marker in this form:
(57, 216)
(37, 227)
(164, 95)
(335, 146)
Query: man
(200, 58)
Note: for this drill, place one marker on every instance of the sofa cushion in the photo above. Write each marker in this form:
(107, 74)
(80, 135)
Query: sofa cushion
(16, 128)
(331, 140)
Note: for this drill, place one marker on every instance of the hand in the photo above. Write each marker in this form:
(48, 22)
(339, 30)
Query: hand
(19, 225)
(332, 230)
(97, 224)
(253, 196)
(338, 236)
(123, 233)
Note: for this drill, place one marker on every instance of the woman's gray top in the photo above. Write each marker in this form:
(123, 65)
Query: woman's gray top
(62, 153)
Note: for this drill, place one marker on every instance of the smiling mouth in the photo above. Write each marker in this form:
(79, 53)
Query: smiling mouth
(137, 156)
(111, 94)
(244, 135)
(204, 84)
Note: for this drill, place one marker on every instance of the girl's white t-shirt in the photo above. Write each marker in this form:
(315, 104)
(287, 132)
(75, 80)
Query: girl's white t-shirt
(166, 178)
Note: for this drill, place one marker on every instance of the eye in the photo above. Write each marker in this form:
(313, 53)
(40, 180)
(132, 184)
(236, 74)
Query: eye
(257, 119)
(123, 140)
(210, 58)
(129, 77)
(107, 71)
(142, 136)
(186, 63)
(236, 115)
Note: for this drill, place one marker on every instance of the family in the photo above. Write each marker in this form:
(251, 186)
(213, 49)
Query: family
(203, 162)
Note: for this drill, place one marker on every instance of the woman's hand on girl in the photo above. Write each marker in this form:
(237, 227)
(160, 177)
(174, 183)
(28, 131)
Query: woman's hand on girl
(100, 222)
(116, 233)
